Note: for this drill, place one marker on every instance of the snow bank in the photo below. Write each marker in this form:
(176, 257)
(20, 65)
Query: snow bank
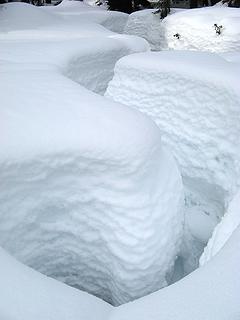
(223, 231)
(211, 292)
(27, 295)
(19, 16)
(75, 11)
(88, 194)
(146, 24)
(196, 29)
(194, 98)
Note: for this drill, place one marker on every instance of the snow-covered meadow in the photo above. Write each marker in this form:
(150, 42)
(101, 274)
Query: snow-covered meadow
(119, 167)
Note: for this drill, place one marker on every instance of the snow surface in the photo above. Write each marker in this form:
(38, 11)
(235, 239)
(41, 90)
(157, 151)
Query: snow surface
(196, 29)
(66, 149)
(75, 11)
(146, 24)
(194, 98)
(26, 295)
(223, 231)
(87, 192)
(211, 292)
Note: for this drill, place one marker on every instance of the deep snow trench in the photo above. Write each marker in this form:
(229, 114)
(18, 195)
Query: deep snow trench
(89, 194)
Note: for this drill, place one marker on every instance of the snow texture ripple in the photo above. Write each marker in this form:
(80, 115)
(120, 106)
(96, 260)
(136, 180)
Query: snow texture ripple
(88, 194)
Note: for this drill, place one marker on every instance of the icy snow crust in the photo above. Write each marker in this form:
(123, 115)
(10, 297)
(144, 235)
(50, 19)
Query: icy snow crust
(88, 194)
(194, 98)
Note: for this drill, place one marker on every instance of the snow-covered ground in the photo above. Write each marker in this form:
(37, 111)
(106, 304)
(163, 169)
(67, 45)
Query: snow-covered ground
(194, 98)
(70, 168)
(148, 25)
(189, 29)
(89, 194)
(197, 31)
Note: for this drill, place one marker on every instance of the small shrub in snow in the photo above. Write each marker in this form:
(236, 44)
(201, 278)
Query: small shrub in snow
(218, 29)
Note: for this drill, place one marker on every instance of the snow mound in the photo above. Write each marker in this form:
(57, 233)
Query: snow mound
(210, 292)
(146, 24)
(90, 204)
(88, 194)
(18, 16)
(77, 11)
(223, 231)
(194, 98)
(27, 295)
(196, 31)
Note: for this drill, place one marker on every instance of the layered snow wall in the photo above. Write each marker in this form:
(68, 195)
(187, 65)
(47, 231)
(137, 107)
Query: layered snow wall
(88, 194)
(194, 98)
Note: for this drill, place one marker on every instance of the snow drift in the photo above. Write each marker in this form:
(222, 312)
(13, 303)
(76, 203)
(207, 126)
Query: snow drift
(146, 24)
(194, 98)
(197, 29)
(88, 194)
(75, 11)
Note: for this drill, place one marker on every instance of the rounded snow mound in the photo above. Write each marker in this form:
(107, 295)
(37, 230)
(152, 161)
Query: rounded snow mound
(146, 24)
(194, 98)
(215, 29)
(88, 194)
(223, 230)
(79, 12)
(19, 16)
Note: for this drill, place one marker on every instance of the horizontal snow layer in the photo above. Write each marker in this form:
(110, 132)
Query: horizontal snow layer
(196, 31)
(146, 24)
(223, 231)
(88, 194)
(194, 98)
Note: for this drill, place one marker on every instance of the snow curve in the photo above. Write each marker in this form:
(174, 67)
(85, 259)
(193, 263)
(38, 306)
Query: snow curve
(194, 98)
(88, 194)
(223, 231)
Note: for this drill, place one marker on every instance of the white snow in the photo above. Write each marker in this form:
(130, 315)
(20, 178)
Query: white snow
(75, 11)
(194, 98)
(88, 194)
(196, 29)
(27, 295)
(223, 230)
(210, 292)
(146, 24)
